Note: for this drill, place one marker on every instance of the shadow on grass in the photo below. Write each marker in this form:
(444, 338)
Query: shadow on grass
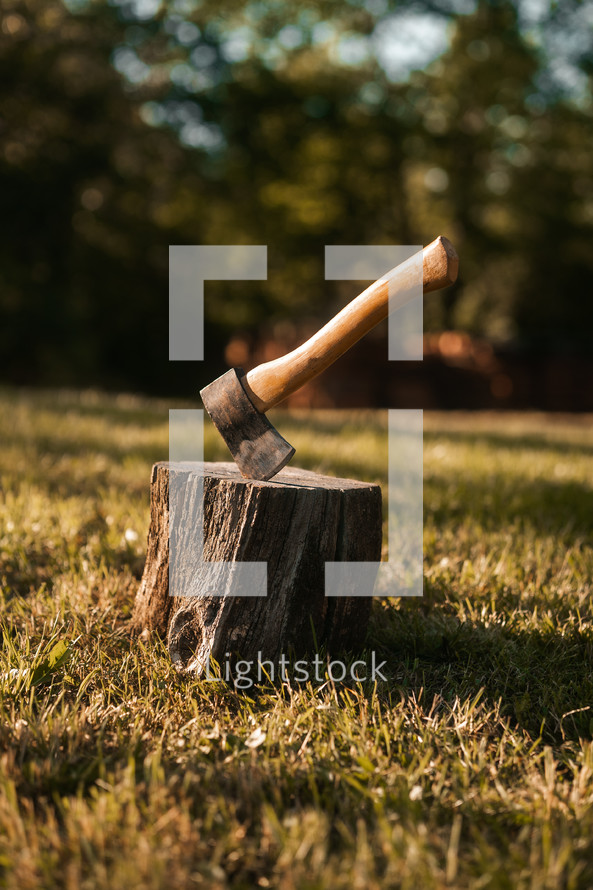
(332, 421)
(547, 506)
(123, 409)
(46, 471)
(543, 678)
(87, 446)
(511, 441)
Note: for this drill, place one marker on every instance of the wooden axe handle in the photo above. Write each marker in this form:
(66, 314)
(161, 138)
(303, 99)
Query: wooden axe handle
(273, 381)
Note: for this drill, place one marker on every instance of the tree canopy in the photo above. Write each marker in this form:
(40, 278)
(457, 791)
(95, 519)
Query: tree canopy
(129, 126)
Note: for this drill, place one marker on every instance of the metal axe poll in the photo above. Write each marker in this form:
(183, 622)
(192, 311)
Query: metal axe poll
(237, 402)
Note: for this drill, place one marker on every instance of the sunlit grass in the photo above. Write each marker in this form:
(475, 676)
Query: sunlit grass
(471, 767)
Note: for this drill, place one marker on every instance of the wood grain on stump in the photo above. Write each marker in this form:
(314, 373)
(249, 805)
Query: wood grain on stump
(295, 523)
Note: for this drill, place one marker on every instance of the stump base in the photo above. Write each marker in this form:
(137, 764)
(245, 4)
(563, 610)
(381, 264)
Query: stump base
(294, 523)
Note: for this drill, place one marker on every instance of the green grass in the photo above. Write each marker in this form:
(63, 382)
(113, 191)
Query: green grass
(471, 767)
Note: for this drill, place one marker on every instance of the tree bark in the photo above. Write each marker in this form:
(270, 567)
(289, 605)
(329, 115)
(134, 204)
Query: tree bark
(294, 524)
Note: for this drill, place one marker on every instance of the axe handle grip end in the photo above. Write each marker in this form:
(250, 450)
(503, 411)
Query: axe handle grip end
(440, 265)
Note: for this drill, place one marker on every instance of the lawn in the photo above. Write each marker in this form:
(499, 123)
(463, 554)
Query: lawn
(470, 767)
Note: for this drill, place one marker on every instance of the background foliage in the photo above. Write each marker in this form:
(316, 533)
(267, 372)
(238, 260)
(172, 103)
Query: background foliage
(129, 126)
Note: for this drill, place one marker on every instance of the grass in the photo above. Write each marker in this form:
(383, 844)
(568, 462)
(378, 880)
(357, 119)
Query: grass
(471, 767)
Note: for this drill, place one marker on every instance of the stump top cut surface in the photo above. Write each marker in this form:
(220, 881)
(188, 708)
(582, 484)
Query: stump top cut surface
(288, 477)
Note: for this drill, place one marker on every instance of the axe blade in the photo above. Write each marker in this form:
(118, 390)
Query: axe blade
(257, 447)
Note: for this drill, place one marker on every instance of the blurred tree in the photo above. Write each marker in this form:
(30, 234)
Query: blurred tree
(128, 126)
(91, 197)
(514, 177)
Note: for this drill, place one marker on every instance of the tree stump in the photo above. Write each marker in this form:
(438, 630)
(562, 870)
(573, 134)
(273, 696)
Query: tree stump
(294, 523)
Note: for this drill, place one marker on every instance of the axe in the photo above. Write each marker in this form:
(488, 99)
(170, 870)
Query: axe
(237, 402)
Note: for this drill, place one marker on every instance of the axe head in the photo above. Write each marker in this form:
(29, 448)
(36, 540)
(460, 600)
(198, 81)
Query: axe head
(258, 449)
